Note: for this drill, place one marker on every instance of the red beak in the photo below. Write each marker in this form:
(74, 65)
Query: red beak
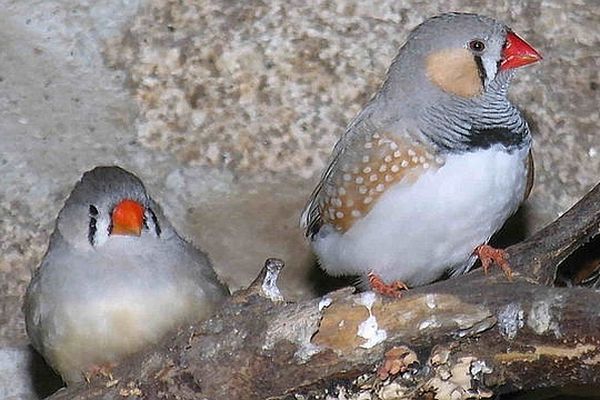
(517, 53)
(127, 218)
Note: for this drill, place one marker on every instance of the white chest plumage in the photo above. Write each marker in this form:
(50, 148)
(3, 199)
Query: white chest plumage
(91, 308)
(416, 231)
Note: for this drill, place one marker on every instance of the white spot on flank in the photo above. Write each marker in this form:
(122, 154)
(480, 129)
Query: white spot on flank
(367, 200)
(373, 178)
(411, 153)
(425, 165)
(404, 164)
(339, 215)
(415, 160)
(368, 145)
(341, 191)
(347, 177)
(368, 329)
(376, 136)
(356, 213)
(393, 146)
(395, 168)
(366, 170)
(365, 159)
(388, 159)
(388, 178)
(336, 202)
(362, 190)
(350, 202)
(397, 154)
(421, 159)
(383, 168)
(380, 187)
(359, 180)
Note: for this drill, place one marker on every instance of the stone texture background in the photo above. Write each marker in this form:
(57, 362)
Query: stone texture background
(228, 111)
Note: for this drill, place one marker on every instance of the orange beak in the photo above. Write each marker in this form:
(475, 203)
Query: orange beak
(517, 53)
(127, 218)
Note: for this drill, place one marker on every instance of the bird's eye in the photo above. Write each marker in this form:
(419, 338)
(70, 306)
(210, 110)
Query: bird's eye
(477, 45)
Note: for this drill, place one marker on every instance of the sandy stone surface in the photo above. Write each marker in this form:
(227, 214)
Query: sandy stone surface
(228, 112)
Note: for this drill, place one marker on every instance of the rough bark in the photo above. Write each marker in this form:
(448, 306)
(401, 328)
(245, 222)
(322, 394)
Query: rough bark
(467, 337)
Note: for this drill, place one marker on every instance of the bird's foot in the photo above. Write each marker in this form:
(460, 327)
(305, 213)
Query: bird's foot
(488, 255)
(102, 370)
(393, 289)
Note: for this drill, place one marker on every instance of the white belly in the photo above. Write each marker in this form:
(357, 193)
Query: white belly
(91, 308)
(416, 232)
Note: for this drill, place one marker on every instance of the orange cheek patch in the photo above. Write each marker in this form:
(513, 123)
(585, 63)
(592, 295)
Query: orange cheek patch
(127, 218)
(454, 71)
(357, 186)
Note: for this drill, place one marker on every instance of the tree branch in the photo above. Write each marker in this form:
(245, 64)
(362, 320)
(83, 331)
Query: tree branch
(540, 255)
(460, 338)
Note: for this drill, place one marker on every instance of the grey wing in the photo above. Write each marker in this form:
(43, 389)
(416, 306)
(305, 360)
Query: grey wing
(33, 312)
(214, 286)
(311, 219)
(37, 307)
(530, 166)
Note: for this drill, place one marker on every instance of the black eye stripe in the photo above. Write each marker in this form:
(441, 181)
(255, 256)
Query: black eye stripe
(92, 225)
(481, 70)
(155, 221)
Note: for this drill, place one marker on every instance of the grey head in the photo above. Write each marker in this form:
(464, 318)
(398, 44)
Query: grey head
(103, 195)
(454, 71)
(453, 43)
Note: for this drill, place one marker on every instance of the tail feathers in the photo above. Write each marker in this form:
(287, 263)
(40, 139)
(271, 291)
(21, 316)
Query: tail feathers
(311, 221)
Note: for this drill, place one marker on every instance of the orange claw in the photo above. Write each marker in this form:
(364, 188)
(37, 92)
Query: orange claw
(103, 370)
(394, 289)
(488, 255)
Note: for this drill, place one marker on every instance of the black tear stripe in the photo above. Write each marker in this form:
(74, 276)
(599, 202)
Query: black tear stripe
(485, 138)
(92, 231)
(93, 211)
(481, 70)
(155, 221)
